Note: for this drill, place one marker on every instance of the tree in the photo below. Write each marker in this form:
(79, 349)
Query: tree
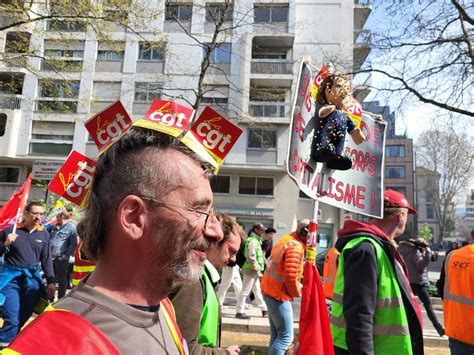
(450, 156)
(425, 232)
(425, 51)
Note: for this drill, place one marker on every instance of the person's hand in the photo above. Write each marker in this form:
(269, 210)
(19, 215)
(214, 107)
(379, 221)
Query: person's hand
(10, 239)
(51, 290)
(233, 349)
(259, 273)
(293, 349)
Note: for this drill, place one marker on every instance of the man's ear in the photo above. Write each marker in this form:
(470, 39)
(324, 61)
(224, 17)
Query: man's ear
(131, 216)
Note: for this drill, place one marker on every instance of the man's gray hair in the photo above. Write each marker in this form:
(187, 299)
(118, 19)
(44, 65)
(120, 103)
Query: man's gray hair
(126, 169)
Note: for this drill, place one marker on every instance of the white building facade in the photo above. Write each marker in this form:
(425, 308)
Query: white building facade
(251, 78)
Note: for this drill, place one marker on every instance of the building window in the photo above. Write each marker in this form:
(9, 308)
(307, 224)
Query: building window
(256, 186)
(3, 124)
(261, 138)
(220, 54)
(430, 211)
(66, 26)
(51, 138)
(147, 91)
(400, 189)
(269, 14)
(17, 42)
(63, 59)
(9, 175)
(58, 96)
(395, 151)
(215, 12)
(154, 51)
(110, 55)
(395, 172)
(178, 12)
(220, 184)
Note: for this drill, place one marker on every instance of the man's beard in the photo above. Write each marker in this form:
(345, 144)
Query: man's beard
(173, 254)
(231, 263)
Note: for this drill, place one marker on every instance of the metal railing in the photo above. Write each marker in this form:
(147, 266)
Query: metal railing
(10, 102)
(272, 66)
(268, 109)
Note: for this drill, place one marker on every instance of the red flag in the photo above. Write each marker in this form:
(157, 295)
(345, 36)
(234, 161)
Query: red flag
(11, 211)
(315, 334)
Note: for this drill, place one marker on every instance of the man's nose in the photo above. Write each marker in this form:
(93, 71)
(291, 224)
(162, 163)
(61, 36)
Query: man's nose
(214, 231)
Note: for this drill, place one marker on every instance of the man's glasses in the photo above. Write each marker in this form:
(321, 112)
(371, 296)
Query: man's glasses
(209, 215)
(36, 214)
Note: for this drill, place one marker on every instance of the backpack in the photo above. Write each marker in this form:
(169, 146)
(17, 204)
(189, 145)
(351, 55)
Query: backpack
(241, 258)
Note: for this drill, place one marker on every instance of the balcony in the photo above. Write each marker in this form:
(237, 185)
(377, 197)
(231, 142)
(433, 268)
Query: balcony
(272, 66)
(362, 10)
(7, 20)
(269, 109)
(10, 102)
(362, 47)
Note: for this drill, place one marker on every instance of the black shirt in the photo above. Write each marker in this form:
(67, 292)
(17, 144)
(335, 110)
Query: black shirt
(28, 249)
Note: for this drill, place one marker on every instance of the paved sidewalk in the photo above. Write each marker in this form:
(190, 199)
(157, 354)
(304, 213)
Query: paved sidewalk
(260, 325)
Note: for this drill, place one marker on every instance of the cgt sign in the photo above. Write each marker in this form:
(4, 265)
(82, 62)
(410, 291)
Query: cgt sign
(74, 179)
(167, 117)
(108, 126)
(212, 136)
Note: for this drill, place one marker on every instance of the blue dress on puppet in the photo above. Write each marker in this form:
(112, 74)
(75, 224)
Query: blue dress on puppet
(333, 123)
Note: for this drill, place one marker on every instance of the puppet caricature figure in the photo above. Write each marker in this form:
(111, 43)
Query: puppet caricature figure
(330, 135)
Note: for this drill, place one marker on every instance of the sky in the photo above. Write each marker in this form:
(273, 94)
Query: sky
(415, 116)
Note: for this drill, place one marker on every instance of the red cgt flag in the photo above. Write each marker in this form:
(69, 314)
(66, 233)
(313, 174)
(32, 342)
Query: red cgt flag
(10, 212)
(315, 334)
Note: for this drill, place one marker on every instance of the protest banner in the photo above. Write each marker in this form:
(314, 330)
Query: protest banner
(167, 117)
(73, 181)
(108, 126)
(212, 136)
(358, 189)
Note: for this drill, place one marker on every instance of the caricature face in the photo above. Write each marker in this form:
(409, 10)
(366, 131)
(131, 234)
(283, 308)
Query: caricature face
(339, 92)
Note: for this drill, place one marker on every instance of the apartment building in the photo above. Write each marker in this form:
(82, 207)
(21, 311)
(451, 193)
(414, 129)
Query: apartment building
(250, 80)
(399, 161)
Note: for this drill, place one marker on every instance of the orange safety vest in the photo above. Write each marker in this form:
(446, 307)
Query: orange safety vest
(329, 272)
(273, 280)
(82, 267)
(458, 301)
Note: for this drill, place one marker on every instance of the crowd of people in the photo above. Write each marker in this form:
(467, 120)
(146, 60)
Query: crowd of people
(155, 245)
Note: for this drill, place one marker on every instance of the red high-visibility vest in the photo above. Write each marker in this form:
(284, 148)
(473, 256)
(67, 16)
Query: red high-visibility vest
(329, 272)
(82, 267)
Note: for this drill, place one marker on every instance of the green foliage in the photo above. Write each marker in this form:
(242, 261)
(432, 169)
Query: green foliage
(425, 232)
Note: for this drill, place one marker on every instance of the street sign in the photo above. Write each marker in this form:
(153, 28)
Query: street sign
(45, 169)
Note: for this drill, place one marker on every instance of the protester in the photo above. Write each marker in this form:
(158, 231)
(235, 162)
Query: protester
(281, 284)
(148, 222)
(195, 303)
(417, 255)
(267, 243)
(373, 309)
(230, 276)
(252, 270)
(63, 244)
(21, 285)
(458, 303)
(440, 283)
(329, 272)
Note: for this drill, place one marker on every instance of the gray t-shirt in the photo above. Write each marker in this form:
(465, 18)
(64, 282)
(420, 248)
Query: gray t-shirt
(131, 330)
